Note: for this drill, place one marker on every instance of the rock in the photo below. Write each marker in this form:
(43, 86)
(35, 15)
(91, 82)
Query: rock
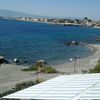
(98, 39)
(75, 43)
(2, 59)
(72, 43)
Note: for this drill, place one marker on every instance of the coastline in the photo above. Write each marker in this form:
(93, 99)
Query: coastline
(52, 23)
(11, 74)
(82, 64)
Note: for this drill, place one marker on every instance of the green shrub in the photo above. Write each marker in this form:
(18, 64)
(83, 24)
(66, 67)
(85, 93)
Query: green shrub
(49, 69)
(18, 87)
(96, 69)
(46, 69)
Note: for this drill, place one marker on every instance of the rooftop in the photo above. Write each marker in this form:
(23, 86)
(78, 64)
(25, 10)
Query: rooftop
(64, 87)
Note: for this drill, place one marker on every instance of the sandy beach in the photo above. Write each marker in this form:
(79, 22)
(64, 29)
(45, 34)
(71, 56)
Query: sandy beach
(11, 74)
(84, 63)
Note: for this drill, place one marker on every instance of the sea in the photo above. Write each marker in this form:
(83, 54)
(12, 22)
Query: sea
(30, 41)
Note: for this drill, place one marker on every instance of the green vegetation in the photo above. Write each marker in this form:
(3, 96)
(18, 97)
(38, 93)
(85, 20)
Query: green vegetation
(32, 68)
(21, 86)
(49, 69)
(18, 87)
(46, 69)
(96, 69)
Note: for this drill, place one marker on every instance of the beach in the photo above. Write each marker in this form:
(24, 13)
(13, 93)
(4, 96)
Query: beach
(82, 64)
(11, 74)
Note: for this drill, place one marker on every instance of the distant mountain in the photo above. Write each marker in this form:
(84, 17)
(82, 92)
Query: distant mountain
(9, 13)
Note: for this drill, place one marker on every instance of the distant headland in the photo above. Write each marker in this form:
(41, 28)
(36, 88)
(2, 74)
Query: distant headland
(85, 21)
(59, 21)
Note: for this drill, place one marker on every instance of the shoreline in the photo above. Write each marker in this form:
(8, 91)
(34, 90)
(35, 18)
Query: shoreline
(11, 74)
(52, 23)
(92, 50)
(86, 63)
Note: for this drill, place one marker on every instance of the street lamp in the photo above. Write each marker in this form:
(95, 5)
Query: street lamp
(74, 59)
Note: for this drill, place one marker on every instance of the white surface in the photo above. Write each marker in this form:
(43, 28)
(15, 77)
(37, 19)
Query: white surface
(64, 87)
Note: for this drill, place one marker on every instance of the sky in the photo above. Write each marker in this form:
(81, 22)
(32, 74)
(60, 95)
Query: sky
(55, 8)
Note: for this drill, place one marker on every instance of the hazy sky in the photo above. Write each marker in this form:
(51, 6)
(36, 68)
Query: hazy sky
(58, 8)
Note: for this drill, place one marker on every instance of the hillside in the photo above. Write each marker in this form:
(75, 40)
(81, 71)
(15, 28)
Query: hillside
(8, 13)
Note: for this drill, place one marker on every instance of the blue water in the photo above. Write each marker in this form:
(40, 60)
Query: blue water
(33, 41)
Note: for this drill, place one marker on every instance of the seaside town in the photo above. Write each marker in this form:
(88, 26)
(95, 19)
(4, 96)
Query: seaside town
(61, 21)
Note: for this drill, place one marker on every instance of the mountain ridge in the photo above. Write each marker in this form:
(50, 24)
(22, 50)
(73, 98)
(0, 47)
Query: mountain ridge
(10, 13)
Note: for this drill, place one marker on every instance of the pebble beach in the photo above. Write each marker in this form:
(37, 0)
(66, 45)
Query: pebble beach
(11, 74)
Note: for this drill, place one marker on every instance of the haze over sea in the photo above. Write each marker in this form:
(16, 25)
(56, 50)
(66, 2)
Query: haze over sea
(29, 41)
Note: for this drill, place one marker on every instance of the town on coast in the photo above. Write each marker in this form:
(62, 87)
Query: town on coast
(60, 21)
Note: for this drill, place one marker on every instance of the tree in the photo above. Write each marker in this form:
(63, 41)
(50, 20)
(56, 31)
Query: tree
(85, 18)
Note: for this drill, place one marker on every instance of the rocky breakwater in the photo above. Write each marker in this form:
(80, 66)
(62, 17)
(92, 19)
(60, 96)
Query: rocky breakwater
(75, 43)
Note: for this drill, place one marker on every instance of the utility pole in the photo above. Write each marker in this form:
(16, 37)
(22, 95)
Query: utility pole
(74, 59)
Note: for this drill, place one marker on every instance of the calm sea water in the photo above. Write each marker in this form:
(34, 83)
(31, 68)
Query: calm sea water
(33, 41)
